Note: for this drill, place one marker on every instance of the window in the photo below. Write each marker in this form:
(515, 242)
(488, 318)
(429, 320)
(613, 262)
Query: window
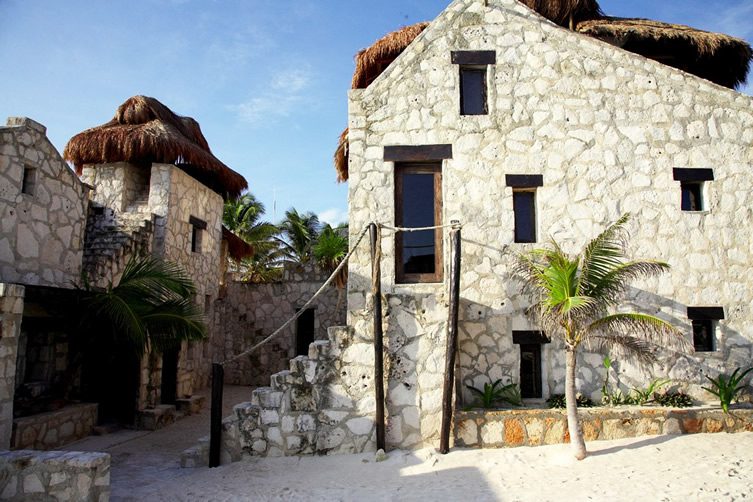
(473, 91)
(704, 321)
(703, 335)
(524, 207)
(197, 230)
(524, 204)
(29, 181)
(473, 71)
(692, 187)
(418, 203)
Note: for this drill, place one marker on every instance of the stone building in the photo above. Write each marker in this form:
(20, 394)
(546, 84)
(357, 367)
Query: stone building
(523, 127)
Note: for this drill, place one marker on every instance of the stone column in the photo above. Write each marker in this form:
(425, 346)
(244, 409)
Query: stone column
(11, 311)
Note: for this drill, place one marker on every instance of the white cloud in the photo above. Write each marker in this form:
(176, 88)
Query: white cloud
(334, 216)
(286, 93)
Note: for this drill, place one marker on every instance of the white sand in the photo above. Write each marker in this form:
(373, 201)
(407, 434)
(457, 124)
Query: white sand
(693, 467)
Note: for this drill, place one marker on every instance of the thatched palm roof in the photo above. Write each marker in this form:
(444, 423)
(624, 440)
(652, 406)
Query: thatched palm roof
(565, 12)
(716, 57)
(143, 131)
(237, 248)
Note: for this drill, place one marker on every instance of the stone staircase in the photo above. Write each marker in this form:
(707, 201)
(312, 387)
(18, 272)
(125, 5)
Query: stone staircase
(302, 412)
(112, 238)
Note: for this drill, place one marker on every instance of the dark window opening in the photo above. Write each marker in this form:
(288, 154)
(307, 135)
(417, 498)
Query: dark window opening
(207, 303)
(473, 91)
(703, 335)
(524, 209)
(530, 370)
(29, 181)
(692, 198)
(195, 240)
(418, 190)
(304, 332)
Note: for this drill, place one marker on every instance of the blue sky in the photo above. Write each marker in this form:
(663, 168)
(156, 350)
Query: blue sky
(266, 79)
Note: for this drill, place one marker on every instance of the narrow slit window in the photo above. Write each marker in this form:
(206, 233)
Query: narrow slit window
(473, 91)
(703, 335)
(418, 204)
(692, 195)
(197, 233)
(29, 181)
(524, 208)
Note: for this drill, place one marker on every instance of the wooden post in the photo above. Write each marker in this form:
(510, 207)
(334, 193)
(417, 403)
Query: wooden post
(376, 293)
(452, 341)
(215, 417)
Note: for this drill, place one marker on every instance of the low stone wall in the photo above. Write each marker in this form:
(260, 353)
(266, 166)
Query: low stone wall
(46, 431)
(54, 475)
(509, 428)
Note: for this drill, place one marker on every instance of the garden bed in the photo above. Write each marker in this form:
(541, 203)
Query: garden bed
(481, 428)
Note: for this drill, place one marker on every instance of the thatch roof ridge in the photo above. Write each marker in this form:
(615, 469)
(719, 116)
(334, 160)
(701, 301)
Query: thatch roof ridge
(144, 131)
(565, 12)
(717, 57)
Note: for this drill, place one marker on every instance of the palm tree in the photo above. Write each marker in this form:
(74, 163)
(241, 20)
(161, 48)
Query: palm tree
(573, 296)
(330, 248)
(299, 232)
(151, 307)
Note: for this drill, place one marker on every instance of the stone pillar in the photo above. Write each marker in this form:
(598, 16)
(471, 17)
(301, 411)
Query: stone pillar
(11, 311)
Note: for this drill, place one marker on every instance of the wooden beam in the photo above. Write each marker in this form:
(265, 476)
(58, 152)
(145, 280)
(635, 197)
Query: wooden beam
(452, 343)
(417, 153)
(376, 293)
(473, 57)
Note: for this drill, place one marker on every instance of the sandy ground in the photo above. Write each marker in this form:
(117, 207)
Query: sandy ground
(145, 467)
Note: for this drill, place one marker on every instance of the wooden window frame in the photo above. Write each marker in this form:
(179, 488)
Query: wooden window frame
(533, 214)
(695, 187)
(434, 168)
(485, 90)
(710, 325)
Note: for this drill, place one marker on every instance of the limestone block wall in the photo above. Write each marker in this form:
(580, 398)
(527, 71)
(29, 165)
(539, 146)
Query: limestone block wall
(251, 312)
(41, 242)
(54, 475)
(604, 128)
(11, 313)
(46, 431)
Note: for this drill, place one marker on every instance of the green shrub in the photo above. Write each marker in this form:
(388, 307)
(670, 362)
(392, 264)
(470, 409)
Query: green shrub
(673, 399)
(558, 401)
(495, 392)
(645, 396)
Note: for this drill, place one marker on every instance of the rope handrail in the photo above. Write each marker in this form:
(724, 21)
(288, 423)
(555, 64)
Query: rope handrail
(305, 305)
(454, 225)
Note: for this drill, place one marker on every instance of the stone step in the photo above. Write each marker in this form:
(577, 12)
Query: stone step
(302, 366)
(266, 397)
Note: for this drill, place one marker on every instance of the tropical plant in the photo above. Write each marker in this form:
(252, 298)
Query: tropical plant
(329, 250)
(243, 217)
(727, 387)
(151, 307)
(558, 401)
(670, 399)
(298, 235)
(573, 296)
(495, 392)
(647, 395)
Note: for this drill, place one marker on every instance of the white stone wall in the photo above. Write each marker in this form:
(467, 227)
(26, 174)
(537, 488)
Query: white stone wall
(42, 234)
(605, 128)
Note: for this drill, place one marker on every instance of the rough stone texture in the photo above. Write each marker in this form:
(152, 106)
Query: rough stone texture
(11, 311)
(250, 312)
(534, 427)
(152, 207)
(41, 241)
(605, 128)
(54, 475)
(46, 431)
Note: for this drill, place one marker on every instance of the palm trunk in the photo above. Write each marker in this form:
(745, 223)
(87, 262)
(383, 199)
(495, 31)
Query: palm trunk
(573, 424)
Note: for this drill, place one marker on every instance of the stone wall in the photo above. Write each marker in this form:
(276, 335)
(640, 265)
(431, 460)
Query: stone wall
(46, 431)
(510, 428)
(41, 242)
(54, 475)
(251, 312)
(11, 312)
(604, 128)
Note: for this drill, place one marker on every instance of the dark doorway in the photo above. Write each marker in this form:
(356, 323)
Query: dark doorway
(530, 370)
(169, 388)
(304, 332)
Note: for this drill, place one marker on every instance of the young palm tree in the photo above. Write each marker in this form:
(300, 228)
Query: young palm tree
(299, 232)
(330, 248)
(151, 307)
(573, 296)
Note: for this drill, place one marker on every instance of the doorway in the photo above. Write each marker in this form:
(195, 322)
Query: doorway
(530, 370)
(169, 387)
(304, 332)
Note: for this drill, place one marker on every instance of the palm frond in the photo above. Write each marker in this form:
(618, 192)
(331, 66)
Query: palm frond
(624, 346)
(640, 326)
(603, 254)
(612, 284)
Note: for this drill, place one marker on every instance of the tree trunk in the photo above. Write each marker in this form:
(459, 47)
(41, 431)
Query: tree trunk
(573, 424)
